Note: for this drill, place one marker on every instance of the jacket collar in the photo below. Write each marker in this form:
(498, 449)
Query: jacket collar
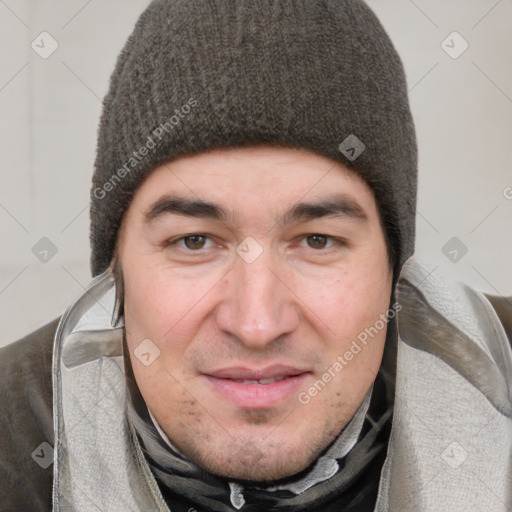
(451, 440)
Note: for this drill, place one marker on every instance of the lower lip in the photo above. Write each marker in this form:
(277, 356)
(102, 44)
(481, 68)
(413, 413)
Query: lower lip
(257, 396)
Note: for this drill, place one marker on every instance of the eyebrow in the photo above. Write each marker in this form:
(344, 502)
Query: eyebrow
(337, 206)
(184, 206)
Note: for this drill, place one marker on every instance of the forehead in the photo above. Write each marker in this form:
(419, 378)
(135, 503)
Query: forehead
(254, 178)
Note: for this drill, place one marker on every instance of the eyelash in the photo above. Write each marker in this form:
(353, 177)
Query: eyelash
(176, 241)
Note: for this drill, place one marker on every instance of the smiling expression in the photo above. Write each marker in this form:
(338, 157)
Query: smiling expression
(252, 269)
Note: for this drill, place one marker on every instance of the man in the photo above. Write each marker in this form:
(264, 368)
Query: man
(257, 335)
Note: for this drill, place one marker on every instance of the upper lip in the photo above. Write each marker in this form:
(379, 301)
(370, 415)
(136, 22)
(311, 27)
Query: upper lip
(268, 372)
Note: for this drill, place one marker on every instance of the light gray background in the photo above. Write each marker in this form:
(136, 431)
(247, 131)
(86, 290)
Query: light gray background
(49, 112)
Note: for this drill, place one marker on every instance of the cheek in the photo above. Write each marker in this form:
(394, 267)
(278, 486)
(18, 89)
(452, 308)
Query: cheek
(155, 297)
(354, 351)
(147, 305)
(354, 301)
(352, 306)
(169, 309)
(153, 312)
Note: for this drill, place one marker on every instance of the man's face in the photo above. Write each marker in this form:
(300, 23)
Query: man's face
(252, 272)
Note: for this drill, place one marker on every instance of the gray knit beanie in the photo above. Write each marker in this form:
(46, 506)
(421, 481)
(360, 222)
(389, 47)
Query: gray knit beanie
(197, 75)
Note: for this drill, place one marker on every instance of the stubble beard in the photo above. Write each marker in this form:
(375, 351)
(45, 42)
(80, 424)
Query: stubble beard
(262, 459)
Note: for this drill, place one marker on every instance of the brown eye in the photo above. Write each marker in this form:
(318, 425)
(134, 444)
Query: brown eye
(194, 241)
(317, 241)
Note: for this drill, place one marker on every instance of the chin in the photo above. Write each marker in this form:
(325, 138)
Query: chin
(250, 466)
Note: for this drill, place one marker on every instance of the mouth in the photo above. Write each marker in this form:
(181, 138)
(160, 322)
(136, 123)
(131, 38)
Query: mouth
(260, 381)
(257, 388)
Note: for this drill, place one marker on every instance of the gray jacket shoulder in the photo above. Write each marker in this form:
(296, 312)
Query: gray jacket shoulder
(26, 421)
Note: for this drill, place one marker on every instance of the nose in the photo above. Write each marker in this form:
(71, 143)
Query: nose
(258, 305)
